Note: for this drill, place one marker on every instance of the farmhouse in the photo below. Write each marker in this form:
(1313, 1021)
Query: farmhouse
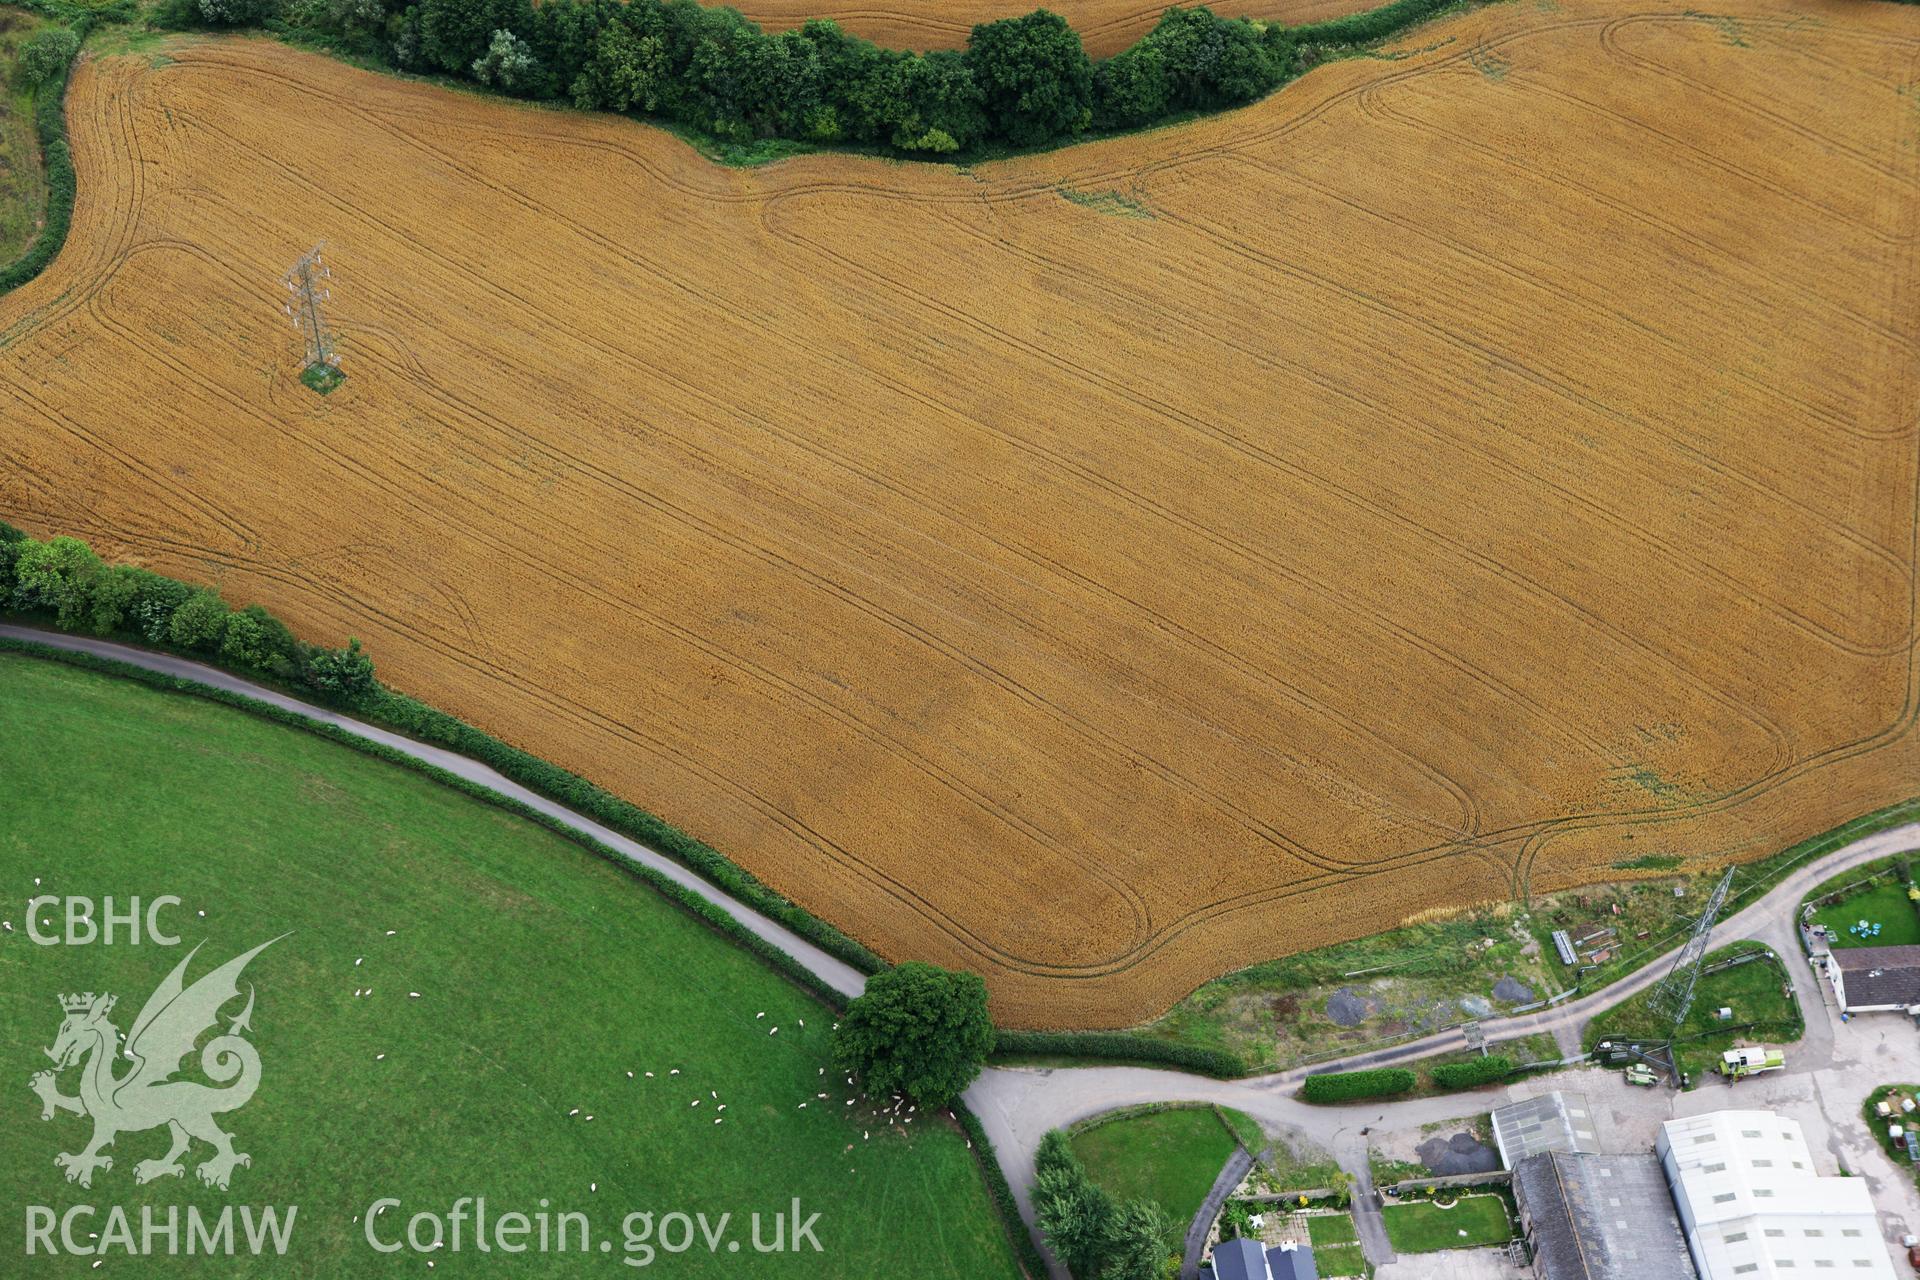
(1244, 1259)
(1751, 1203)
(1599, 1217)
(1874, 979)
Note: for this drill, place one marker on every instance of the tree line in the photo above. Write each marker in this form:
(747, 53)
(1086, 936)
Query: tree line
(1021, 82)
(62, 581)
(1094, 1236)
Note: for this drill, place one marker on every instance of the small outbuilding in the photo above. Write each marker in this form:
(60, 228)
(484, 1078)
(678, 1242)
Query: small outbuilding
(1556, 1121)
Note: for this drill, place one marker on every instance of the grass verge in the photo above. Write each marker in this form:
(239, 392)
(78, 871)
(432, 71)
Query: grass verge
(1764, 1012)
(23, 178)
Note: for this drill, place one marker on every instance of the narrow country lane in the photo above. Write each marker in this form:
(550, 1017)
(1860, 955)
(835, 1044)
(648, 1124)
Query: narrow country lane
(836, 973)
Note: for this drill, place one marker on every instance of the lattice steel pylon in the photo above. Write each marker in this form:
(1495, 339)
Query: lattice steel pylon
(1674, 996)
(306, 286)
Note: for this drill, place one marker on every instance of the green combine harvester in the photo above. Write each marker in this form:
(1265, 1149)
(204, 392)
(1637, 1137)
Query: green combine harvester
(1737, 1064)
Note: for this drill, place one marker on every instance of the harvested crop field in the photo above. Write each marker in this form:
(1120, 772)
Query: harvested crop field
(1101, 570)
(1105, 26)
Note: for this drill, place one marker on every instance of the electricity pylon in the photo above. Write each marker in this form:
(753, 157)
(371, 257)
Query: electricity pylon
(1674, 996)
(306, 286)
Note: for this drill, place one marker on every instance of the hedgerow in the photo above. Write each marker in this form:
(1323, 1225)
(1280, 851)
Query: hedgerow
(682, 896)
(50, 126)
(1000, 1193)
(1369, 25)
(1021, 82)
(1473, 1072)
(62, 583)
(1347, 1086)
(1118, 1045)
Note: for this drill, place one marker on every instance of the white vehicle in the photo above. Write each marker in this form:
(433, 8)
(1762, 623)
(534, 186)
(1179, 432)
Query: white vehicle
(1752, 1060)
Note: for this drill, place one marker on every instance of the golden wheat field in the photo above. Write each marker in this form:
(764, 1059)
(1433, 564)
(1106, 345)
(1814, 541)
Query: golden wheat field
(1456, 474)
(1105, 26)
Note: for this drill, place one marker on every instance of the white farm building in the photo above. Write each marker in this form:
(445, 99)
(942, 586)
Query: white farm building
(1753, 1207)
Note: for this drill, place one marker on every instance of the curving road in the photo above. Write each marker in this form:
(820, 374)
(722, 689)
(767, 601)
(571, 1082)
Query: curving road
(1019, 1105)
(837, 973)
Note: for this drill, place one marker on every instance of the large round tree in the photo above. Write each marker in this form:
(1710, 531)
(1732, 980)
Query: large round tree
(919, 1030)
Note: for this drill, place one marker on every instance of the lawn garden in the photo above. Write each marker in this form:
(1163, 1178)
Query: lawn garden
(1876, 896)
(1336, 1245)
(575, 1038)
(1170, 1156)
(1424, 1226)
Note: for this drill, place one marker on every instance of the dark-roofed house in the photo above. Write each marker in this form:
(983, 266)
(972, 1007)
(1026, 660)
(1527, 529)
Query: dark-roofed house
(1875, 979)
(1595, 1217)
(1239, 1259)
(1292, 1262)
(1244, 1259)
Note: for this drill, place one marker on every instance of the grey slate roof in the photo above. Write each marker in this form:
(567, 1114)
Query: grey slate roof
(1879, 975)
(1551, 1122)
(1292, 1264)
(1239, 1259)
(1595, 1217)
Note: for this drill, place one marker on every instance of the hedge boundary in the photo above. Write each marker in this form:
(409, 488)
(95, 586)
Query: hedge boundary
(706, 911)
(1280, 46)
(1371, 25)
(1135, 1111)
(1122, 1045)
(415, 719)
(998, 1190)
(1472, 1073)
(1351, 1086)
(56, 159)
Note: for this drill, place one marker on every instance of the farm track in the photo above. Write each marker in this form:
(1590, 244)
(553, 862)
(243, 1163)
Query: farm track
(1097, 602)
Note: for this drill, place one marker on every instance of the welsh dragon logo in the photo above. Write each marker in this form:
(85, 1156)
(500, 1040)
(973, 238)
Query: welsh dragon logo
(147, 1096)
